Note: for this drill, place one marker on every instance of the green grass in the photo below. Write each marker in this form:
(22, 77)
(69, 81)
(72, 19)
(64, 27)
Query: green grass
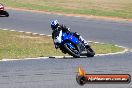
(20, 45)
(105, 48)
(110, 8)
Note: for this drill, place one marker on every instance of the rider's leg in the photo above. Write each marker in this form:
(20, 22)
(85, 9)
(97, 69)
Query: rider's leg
(76, 34)
(85, 42)
(82, 39)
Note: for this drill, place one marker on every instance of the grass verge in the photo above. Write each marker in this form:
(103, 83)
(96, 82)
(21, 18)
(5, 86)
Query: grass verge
(20, 45)
(111, 8)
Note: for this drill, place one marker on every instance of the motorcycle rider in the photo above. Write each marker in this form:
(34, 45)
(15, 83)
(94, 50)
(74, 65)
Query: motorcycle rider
(56, 27)
(2, 11)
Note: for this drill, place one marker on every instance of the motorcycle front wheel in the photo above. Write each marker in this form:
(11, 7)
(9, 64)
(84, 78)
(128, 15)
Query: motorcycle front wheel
(72, 51)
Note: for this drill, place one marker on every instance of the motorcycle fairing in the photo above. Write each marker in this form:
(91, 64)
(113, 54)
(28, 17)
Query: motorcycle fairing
(70, 37)
(62, 37)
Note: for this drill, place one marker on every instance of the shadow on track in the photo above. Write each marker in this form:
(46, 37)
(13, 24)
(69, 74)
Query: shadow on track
(67, 57)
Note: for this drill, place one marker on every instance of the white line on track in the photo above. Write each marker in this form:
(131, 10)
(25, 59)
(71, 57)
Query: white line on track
(24, 59)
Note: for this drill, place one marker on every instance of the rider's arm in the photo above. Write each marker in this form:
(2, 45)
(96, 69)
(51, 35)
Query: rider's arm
(54, 35)
(65, 29)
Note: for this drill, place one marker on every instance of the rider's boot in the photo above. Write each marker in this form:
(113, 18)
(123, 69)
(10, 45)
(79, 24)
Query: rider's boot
(87, 46)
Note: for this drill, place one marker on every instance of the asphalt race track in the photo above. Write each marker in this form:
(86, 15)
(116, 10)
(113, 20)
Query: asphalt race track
(61, 73)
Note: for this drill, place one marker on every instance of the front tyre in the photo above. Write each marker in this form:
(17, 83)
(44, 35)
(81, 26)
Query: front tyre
(73, 52)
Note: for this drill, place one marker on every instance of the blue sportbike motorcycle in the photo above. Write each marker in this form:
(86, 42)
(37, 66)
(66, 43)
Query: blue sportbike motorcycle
(69, 43)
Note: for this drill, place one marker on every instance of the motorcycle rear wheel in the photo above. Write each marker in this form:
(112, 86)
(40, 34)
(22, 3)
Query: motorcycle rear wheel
(90, 52)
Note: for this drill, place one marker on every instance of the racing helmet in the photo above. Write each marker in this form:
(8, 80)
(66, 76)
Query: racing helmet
(54, 24)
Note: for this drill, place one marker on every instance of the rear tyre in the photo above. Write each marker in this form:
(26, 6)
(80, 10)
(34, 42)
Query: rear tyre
(90, 52)
(75, 53)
